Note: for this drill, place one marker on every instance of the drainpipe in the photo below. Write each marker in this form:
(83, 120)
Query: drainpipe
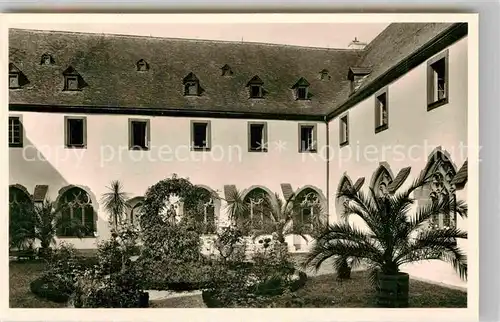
(327, 170)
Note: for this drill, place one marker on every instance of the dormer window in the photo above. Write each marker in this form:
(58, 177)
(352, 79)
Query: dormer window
(356, 75)
(324, 74)
(255, 87)
(226, 70)
(72, 80)
(47, 60)
(191, 85)
(16, 78)
(13, 80)
(142, 66)
(301, 89)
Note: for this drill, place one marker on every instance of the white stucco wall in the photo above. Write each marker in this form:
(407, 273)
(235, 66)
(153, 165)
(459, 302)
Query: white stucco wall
(412, 135)
(44, 160)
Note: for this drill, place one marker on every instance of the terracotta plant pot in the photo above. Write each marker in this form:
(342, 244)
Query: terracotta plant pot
(392, 290)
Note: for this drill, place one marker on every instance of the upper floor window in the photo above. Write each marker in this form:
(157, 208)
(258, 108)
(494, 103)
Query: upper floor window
(200, 135)
(16, 77)
(72, 80)
(76, 132)
(344, 130)
(139, 136)
(15, 132)
(356, 75)
(257, 137)
(381, 111)
(437, 81)
(301, 89)
(191, 85)
(255, 86)
(307, 137)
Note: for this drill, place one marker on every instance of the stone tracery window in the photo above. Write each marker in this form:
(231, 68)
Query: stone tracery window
(257, 216)
(442, 190)
(310, 209)
(76, 207)
(208, 213)
(19, 204)
(381, 181)
(340, 202)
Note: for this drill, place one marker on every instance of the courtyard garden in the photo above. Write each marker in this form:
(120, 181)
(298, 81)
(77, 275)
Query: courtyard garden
(160, 260)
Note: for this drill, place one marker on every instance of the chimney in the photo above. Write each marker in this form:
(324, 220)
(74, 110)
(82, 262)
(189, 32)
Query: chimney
(356, 44)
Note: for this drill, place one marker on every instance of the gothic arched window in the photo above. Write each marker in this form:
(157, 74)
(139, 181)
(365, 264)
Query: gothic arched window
(440, 173)
(77, 212)
(309, 209)
(20, 215)
(345, 183)
(257, 217)
(381, 180)
(206, 217)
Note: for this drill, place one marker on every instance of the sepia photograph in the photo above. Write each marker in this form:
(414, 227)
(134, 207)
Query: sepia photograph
(242, 164)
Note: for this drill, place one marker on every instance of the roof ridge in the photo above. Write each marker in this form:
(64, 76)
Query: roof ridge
(233, 42)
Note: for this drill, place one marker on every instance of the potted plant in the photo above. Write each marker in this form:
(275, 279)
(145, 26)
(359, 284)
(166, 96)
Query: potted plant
(392, 238)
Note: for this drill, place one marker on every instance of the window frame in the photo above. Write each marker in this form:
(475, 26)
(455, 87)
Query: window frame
(67, 78)
(19, 144)
(17, 77)
(260, 95)
(346, 141)
(379, 127)
(208, 137)
(314, 127)
(133, 147)
(92, 232)
(431, 102)
(306, 93)
(264, 137)
(67, 143)
(188, 85)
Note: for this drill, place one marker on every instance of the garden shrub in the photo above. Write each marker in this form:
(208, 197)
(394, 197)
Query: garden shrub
(118, 290)
(116, 281)
(50, 289)
(239, 283)
(58, 282)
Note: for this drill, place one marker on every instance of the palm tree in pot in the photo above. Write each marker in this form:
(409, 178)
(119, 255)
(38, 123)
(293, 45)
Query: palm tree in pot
(391, 239)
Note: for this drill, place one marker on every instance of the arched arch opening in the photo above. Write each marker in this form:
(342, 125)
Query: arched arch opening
(381, 180)
(208, 215)
(256, 217)
(311, 214)
(134, 209)
(439, 173)
(344, 183)
(77, 212)
(21, 221)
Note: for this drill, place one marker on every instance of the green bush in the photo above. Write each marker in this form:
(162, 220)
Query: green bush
(50, 289)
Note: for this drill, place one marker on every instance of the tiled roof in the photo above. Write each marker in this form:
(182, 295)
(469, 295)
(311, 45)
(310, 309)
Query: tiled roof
(107, 63)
